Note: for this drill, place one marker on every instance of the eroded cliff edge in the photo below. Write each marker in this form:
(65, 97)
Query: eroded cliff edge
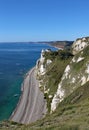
(61, 72)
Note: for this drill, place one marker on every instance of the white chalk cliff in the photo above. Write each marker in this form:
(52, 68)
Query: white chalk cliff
(41, 67)
(75, 75)
(80, 44)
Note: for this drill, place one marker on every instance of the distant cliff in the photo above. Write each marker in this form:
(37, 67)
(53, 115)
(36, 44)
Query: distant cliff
(62, 44)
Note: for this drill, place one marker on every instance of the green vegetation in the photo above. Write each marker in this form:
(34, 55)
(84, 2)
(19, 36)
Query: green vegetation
(60, 59)
(71, 114)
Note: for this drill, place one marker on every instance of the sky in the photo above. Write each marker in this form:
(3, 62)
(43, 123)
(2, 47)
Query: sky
(43, 20)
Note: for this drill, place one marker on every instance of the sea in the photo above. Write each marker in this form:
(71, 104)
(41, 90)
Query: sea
(16, 59)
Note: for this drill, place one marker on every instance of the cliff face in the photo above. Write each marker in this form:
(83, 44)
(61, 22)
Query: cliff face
(42, 63)
(74, 75)
(49, 70)
(41, 70)
(80, 44)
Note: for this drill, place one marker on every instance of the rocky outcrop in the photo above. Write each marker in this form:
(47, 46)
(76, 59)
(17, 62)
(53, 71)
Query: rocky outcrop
(42, 63)
(41, 68)
(80, 44)
(76, 73)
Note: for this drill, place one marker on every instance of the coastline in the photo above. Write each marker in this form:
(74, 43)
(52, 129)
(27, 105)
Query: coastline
(22, 90)
(31, 105)
(56, 47)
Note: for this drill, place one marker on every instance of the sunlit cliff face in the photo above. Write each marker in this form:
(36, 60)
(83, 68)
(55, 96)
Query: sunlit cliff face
(79, 45)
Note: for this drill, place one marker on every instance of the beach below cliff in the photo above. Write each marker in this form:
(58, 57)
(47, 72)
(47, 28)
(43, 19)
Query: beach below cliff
(31, 105)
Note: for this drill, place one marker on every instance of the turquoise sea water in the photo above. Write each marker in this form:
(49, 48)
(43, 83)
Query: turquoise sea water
(15, 60)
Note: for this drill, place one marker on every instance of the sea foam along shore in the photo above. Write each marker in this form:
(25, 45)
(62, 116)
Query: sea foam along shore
(31, 105)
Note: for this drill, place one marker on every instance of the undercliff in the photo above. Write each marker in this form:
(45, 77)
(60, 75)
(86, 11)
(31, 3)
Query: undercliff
(64, 79)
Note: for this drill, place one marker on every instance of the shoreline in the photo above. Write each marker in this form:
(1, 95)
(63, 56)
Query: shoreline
(31, 105)
(22, 89)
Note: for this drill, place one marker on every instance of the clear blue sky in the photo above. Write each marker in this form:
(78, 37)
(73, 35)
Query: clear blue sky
(39, 20)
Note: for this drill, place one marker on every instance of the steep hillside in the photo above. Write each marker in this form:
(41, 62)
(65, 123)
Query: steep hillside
(71, 114)
(50, 68)
(75, 75)
(64, 79)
